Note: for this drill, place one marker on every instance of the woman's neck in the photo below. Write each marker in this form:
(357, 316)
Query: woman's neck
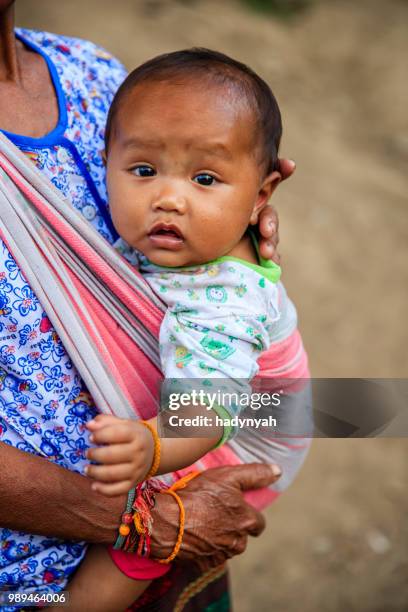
(9, 62)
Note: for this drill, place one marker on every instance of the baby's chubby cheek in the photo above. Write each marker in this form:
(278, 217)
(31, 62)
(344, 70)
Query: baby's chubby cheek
(124, 208)
(126, 223)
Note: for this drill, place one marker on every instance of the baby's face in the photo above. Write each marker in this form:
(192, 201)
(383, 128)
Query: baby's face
(183, 174)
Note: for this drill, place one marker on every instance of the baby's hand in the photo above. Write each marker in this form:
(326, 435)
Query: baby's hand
(126, 454)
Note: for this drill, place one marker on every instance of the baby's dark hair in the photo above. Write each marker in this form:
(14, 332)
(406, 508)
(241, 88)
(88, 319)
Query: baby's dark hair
(222, 70)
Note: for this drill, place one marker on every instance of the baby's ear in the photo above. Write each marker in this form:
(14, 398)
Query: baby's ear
(268, 186)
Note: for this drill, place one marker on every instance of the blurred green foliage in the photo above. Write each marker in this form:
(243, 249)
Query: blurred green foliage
(280, 8)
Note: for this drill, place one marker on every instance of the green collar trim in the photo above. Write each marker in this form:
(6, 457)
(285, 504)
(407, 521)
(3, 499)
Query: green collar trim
(267, 268)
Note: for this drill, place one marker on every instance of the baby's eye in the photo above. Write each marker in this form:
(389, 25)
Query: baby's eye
(205, 179)
(144, 171)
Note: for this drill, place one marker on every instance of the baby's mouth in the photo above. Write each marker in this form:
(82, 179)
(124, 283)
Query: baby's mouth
(166, 236)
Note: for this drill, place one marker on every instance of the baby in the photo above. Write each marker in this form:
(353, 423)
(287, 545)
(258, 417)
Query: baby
(192, 158)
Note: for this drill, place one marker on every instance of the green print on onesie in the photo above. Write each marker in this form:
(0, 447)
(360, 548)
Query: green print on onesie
(216, 293)
(205, 368)
(215, 348)
(192, 294)
(260, 344)
(241, 290)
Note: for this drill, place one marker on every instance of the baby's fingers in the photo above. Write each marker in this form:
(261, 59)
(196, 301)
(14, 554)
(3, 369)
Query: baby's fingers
(110, 473)
(101, 420)
(117, 433)
(111, 490)
(116, 453)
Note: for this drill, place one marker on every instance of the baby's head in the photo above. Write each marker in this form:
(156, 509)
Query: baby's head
(192, 144)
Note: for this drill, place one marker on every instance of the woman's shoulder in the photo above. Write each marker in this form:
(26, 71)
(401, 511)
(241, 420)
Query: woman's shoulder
(69, 51)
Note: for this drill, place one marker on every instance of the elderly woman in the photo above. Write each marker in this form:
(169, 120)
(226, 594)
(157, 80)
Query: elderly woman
(54, 97)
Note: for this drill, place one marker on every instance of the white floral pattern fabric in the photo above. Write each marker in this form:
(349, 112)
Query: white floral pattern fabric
(43, 403)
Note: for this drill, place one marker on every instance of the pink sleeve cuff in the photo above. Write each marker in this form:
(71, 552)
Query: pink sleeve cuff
(136, 567)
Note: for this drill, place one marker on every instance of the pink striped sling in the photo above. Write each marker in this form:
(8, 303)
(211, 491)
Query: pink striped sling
(105, 314)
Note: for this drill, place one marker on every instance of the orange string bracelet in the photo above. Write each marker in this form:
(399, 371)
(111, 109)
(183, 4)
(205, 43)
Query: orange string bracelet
(157, 450)
(179, 484)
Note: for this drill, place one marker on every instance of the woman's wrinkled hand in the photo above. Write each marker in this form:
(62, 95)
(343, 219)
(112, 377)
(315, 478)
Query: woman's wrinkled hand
(269, 221)
(218, 519)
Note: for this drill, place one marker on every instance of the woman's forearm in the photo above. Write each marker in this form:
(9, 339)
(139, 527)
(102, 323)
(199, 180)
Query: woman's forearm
(40, 497)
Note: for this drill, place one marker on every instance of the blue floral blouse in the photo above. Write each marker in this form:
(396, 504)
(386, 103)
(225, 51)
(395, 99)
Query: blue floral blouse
(43, 402)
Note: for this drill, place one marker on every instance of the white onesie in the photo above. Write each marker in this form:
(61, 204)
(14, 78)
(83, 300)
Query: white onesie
(219, 319)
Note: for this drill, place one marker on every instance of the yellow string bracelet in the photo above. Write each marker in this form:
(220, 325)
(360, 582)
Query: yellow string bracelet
(138, 524)
(157, 450)
(179, 484)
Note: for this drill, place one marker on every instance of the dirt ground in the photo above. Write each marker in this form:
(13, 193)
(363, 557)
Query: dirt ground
(338, 539)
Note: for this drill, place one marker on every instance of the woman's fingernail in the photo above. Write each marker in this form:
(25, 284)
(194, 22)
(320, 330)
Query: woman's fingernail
(276, 471)
(272, 226)
(86, 469)
(94, 486)
(92, 438)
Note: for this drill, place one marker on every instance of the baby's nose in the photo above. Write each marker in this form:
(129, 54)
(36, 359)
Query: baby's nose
(170, 202)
